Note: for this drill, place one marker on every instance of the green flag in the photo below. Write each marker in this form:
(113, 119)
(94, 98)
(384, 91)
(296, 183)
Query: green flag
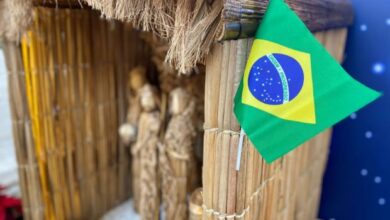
(292, 89)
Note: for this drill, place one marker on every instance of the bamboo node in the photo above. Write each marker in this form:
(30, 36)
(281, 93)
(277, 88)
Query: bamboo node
(11, 73)
(27, 166)
(220, 130)
(37, 209)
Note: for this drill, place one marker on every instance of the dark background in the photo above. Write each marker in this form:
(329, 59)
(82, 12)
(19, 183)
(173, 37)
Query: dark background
(357, 179)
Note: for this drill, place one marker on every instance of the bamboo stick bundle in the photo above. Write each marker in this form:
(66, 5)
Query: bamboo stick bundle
(29, 45)
(71, 104)
(74, 94)
(123, 155)
(82, 66)
(114, 143)
(74, 116)
(58, 122)
(88, 166)
(100, 148)
(217, 171)
(26, 158)
(287, 189)
(112, 122)
(56, 131)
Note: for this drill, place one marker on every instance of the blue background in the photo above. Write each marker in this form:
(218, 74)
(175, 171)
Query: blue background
(357, 179)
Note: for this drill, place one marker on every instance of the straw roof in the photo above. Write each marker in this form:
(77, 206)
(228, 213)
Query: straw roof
(15, 16)
(192, 26)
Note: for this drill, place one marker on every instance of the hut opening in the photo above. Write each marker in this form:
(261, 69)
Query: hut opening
(123, 99)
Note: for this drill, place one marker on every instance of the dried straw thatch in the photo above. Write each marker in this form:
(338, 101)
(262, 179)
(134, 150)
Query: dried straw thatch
(15, 16)
(191, 26)
(150, 15)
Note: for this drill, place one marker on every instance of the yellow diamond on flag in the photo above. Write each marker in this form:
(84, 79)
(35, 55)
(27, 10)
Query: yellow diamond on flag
(278, 80)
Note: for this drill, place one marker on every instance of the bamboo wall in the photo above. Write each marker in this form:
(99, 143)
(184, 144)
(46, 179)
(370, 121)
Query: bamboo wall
(68, 99)
(288, 188)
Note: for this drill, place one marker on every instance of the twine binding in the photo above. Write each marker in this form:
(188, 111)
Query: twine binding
(223, 131)
(220, 215)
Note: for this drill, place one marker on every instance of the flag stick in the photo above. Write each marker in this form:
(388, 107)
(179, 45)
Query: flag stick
(242, 134)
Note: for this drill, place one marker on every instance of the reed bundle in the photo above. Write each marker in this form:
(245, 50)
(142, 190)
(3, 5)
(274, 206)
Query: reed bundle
(23, 139)
(71, 163)
(287, 189)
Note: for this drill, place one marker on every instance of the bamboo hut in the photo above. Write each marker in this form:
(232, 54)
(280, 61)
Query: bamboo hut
(68, 63)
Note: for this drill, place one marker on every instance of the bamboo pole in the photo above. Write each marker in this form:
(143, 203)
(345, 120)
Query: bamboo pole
(29, 48)
(23, 139)
(287, 189)
(75, 98)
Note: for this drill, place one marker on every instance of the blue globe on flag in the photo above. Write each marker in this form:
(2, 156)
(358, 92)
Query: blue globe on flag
(275, 79)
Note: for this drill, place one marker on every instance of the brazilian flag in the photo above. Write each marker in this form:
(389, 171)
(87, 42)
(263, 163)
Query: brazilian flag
(292, 89)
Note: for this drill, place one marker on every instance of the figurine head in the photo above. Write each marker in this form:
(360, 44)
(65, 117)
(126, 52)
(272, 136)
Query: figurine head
(148, 98)
(179, 99)
(137, 78)
(127, 133)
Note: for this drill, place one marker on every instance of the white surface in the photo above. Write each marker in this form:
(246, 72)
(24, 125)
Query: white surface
(8, 166)
(124, 211)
